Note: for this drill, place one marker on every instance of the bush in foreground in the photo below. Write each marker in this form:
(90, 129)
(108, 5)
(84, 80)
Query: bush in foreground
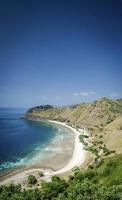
(32, 179)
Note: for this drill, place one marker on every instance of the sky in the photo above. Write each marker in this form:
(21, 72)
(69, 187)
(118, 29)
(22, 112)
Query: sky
(59, 52)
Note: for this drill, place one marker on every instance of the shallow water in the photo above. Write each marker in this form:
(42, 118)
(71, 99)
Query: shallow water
(24, 142)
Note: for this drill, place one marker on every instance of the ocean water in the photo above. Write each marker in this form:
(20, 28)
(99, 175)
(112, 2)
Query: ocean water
(24, 142)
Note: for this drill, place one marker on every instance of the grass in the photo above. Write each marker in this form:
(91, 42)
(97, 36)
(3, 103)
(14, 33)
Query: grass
(110, 172)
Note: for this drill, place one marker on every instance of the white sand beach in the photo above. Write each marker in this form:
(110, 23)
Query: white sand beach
(78, 156)
(77, 159)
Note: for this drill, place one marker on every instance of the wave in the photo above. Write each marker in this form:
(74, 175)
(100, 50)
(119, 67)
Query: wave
(41, 152)
(9, 165)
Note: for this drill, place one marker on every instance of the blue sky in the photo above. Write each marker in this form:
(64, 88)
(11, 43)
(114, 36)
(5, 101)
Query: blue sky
(59, 52)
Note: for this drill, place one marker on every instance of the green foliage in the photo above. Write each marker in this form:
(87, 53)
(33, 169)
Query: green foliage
(101, 183)
(40, 174)
(110, 171)
(81, 138)
(85, 136)
(106, 151)
(54, 188)
(32, 179)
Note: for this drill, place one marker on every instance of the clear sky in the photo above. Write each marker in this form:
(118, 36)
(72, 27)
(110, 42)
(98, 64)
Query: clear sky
(59, 52)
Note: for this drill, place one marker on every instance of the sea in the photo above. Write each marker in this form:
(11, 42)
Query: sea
(25, 142)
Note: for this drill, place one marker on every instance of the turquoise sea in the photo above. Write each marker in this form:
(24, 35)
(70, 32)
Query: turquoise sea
(24, 142)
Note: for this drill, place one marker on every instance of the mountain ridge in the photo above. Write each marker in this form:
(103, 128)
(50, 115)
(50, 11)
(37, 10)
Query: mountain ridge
(103, 110)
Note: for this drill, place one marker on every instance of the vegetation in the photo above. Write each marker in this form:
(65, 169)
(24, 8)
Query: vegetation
(95, 146)
(40, 108)
(103, 182)
(32, 179)
(40, 174)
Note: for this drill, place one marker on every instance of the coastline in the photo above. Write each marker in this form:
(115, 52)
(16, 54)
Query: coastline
(78, 156)
(77, 159)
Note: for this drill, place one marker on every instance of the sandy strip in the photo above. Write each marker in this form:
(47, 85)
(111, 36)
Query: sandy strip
(77, 159)
(78, 156)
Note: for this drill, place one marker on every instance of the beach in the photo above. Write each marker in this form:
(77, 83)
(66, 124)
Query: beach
(78, 156)
(64, 163)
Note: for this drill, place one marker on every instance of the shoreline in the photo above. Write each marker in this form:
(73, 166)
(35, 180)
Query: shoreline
(79, 154)
(77, 159)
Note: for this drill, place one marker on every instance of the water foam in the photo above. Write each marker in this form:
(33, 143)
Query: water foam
(41, 152)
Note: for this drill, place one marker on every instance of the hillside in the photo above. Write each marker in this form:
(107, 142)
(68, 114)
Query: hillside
(101, 117)
(96, 115)
(113, 135)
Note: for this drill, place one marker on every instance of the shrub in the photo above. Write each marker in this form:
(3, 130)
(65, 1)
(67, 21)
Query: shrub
(106, 151)
(113, 151)
(101, 136)
(89, 174)
(91, 167)
(32, 179)
(81, 138)
(40, 174)
(86, 136)
(100, 142)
